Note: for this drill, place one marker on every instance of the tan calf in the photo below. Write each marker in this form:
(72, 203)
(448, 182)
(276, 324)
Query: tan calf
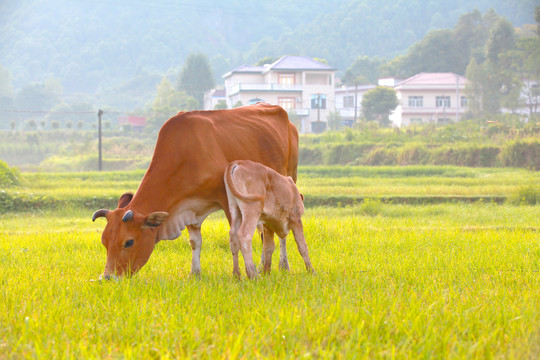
(259, 195)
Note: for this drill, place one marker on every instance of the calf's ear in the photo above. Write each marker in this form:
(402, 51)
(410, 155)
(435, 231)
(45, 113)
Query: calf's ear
(302, 197)
(156, 218)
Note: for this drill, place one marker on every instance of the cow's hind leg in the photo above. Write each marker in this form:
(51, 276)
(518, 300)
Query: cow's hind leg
(195, 240)
(298, 232)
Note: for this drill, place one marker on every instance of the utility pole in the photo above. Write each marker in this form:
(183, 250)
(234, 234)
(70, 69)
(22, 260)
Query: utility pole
(100, 162)
(355, 99)
(319, 108)
(457, 98)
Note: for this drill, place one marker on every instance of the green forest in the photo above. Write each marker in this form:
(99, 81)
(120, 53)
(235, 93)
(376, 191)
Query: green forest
(115, 53)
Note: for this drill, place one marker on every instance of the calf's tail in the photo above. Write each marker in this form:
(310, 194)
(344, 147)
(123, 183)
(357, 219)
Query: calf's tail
(232, 186)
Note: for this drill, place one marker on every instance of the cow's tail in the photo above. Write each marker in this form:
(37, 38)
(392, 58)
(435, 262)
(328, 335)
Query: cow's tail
(292, 161)
(231, 185)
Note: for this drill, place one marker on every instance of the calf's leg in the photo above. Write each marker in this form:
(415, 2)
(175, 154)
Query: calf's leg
(245, 235)
(298, 232)
(268, 250)
(283, 261)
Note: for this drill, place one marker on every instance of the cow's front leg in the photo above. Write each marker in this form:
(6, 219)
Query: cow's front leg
(195, 240)
(283, 261)
(268, 250)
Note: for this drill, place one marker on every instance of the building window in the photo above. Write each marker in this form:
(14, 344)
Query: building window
(285, 79)
(416, 101)
(442, 101)
(286, 102)
(416, 120)
(464, 101)
(348, 101)
(318, 101)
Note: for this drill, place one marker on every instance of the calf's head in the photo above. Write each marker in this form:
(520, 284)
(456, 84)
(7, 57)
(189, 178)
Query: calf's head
(129, 237)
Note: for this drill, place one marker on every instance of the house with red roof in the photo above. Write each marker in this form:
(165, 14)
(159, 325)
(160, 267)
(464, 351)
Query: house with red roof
(430, 97)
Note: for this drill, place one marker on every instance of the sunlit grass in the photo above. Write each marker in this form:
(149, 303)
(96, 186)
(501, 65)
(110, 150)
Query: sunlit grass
(437, 281)
(453, 280)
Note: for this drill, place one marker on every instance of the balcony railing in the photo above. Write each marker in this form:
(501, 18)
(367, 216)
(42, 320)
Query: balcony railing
(265, 87)
(299, 112)
(431, 110)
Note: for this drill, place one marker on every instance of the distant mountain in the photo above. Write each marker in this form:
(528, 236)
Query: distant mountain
(98, 47)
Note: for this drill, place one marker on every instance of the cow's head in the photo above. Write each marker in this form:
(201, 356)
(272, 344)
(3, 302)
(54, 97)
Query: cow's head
(129, 237)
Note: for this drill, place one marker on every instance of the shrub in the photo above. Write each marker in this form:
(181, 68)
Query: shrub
(371, 207)
(342, 154)
(473, 156)
(413, 155)
(310, 156)
(8, 176)
(381, 156)
(523, 154)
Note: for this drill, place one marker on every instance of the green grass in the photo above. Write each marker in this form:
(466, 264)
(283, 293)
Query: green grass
(444, 281)
(450, 280)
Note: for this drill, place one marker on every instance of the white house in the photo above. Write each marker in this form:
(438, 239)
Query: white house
(302, 86)
(348, 102)
(430, 97)
(213, 97)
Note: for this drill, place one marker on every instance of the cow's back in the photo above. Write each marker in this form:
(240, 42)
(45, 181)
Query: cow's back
(194, 148)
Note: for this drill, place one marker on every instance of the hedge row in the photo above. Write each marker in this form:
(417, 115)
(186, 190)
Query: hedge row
(15, 202)
(520, 154)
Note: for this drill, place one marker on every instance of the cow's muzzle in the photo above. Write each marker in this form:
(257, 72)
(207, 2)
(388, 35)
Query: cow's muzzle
(109, 277)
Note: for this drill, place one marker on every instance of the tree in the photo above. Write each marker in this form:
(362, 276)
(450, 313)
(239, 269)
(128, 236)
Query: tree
(266, 60)
(525, 62)
(492, 83)
(6, 88)
(334, 121)
(364, 70)
(221, 105)
(378, 103)
(196, 77)
(168, 102)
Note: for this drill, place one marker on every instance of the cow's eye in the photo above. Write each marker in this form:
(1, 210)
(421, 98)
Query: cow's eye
(129, 243)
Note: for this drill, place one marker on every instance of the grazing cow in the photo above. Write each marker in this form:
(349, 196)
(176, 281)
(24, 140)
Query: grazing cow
(184, 182)
(258, 194)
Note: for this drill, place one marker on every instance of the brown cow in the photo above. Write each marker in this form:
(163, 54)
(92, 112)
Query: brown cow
(184, 182)
(258, 194)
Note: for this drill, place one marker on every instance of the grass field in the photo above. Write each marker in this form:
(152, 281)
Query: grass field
(450, 280)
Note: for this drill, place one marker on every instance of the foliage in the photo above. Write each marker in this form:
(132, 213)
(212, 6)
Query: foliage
(77, 47)
(524, 154)
(196, 77)
(378, 103)
(166, 104)
(9, 176)
(334, 120)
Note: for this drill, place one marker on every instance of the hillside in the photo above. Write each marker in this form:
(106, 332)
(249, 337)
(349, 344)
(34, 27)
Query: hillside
(114, 52)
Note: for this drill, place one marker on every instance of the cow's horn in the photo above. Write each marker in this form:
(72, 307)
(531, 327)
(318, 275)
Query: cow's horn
(100, 213)
(128, 216)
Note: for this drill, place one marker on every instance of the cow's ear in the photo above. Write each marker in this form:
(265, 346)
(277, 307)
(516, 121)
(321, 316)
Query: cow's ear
(124, 200)
(156, 218)
(302, 197)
